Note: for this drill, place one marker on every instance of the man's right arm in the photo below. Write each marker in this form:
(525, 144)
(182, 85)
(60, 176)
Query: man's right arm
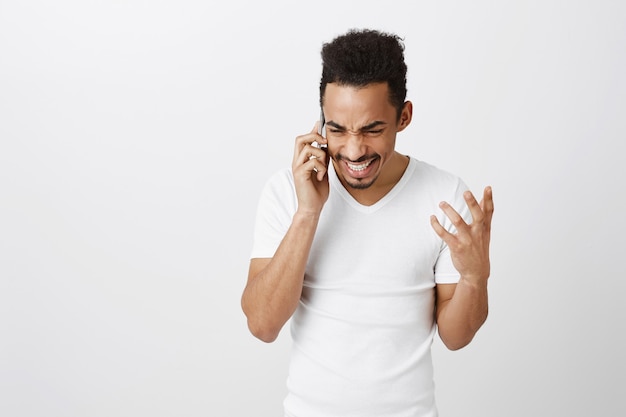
(275, 284)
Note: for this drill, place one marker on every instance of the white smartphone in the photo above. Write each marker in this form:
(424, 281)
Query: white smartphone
(322, 128)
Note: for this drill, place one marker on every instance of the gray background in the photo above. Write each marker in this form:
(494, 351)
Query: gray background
(135, 139)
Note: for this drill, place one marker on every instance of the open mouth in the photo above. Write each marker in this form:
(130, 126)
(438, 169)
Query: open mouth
(359, 167)
(362, 168)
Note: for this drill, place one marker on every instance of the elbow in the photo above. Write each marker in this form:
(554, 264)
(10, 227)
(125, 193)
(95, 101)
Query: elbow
(457, 338)
(262, 331)
(260, 328)
(456, 344)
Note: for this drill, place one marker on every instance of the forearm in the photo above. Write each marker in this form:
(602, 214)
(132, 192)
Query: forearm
(272, 293)
(460, 317)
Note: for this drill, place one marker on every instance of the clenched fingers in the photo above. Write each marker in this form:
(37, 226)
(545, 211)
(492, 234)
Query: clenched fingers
(307, 144)
(308, 156)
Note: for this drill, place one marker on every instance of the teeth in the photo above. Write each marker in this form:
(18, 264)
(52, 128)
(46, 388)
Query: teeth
(359, 167)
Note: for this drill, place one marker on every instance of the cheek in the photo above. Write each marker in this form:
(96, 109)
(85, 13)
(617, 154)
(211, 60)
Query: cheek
(386, 146)
(331, 155)
(331, 151)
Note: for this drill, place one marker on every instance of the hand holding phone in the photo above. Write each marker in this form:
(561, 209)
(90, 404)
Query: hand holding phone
(321, 130)
(322, 127)
(310, 169)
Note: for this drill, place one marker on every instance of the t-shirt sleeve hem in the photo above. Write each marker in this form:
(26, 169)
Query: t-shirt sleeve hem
(261, 254)
(447, 278)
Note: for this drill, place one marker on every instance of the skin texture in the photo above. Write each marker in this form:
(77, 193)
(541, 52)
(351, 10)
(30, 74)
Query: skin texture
(362, 126)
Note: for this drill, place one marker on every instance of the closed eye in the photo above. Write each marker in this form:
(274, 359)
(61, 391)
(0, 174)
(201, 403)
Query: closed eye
(373, 129)
(373, 133)
(338, 132)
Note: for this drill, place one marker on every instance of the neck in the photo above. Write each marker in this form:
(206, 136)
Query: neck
(383, 184)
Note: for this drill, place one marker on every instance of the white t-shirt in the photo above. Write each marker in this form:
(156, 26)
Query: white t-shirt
(364, 327)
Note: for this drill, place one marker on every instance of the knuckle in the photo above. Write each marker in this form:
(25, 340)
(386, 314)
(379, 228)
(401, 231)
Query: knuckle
(457, 221)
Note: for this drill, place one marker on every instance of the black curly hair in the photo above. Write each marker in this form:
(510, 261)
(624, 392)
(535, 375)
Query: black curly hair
(364, 56)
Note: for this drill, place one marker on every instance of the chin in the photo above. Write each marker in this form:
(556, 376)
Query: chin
(359, 185)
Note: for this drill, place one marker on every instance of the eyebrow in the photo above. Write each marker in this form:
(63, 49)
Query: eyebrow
(363, 128)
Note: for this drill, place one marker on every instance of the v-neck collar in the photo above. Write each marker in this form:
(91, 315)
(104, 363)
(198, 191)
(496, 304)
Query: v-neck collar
(337, 186)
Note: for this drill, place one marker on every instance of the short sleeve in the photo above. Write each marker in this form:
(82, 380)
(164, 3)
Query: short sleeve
(276, 207)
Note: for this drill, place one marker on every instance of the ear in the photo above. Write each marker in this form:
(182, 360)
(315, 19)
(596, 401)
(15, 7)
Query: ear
(405, 116)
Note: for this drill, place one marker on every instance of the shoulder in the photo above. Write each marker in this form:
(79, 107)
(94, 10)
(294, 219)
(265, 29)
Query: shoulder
(280, 181)
(433, 177)
(434, 185)
(279, 190)
(430, 171)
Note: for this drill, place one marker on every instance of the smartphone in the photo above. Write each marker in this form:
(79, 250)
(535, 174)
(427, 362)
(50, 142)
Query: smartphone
(322, 128)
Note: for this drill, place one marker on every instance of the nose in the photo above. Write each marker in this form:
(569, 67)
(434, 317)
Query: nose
(354, 147)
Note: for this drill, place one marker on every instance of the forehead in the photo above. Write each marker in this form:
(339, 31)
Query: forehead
(354, 106)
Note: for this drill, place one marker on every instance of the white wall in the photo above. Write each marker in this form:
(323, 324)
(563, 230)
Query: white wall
(135, 137)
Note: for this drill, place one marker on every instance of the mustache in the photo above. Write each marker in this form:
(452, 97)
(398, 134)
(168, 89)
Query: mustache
(339, 157)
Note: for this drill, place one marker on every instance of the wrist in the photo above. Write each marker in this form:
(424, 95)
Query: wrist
(306, 216)
(474, 281)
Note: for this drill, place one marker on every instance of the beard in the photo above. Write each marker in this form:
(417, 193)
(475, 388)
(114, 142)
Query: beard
(356, 183)
(359, 184)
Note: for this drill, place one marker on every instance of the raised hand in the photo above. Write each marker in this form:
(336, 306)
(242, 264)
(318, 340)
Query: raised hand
(310, 167)
(469, 246)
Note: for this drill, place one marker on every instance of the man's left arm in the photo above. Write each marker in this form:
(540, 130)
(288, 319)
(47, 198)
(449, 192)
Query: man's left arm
(461, 309)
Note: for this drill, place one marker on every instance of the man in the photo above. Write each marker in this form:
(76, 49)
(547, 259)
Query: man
(366, 250)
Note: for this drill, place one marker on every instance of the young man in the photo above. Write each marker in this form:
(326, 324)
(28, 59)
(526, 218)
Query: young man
(368, 251)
